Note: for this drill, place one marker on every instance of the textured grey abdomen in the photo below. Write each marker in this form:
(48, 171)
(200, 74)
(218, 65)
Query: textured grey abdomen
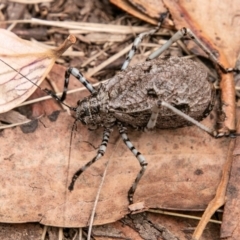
(181, 82)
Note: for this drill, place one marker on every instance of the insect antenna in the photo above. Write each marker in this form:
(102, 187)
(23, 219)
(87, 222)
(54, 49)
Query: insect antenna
(74, 128)
(47, 91)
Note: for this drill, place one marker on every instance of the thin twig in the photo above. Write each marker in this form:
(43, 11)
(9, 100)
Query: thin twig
(84, 27)
(44, 232)
(109, 60)
(181, 215)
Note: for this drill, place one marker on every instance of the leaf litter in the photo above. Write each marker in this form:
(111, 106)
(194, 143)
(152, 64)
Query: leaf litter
(149, 159)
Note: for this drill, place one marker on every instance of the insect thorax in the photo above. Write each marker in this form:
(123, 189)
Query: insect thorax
(93, 112)
(130, 95)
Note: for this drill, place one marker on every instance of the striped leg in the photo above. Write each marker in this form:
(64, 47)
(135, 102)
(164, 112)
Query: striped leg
(100, 153)
(139, 39)
(75, 72)
(185, 32)
(140, 158)
(78, 75)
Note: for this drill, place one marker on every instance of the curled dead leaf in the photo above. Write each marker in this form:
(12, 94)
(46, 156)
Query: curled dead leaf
(23, 66)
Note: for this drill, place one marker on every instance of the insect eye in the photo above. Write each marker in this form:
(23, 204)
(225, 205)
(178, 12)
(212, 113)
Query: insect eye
(83, 121)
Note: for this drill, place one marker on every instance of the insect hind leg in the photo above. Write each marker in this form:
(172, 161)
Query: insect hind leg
(139, 39)
(185, 32)
(140, 158)
(100, 153)
(188, 118)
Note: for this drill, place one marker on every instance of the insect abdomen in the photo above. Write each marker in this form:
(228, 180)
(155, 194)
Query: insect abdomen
(182, 83)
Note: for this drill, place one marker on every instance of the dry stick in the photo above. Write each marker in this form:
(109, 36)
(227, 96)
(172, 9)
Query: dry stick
(219, 198)
(84, 27)
(80, 234)
(109, 60)
(44, 232)
(17, 124)
(94, 57)
(50, 45)
(227, 87)
(75, 235)
(99, 190)
(163, 212)
(107, 48)
(60, 233)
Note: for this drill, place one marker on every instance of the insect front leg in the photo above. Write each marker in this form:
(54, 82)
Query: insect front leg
(140, 158)
(139, 39)
(78, 75)
(100, 153)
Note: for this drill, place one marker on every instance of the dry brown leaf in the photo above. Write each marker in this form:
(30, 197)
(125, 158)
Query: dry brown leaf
(183, 173)
(27, 231)
(151, 8)
(128, 7)
(230, 226)
(30, 60)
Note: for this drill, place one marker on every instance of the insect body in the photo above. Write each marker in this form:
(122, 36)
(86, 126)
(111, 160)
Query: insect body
(130, 96)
